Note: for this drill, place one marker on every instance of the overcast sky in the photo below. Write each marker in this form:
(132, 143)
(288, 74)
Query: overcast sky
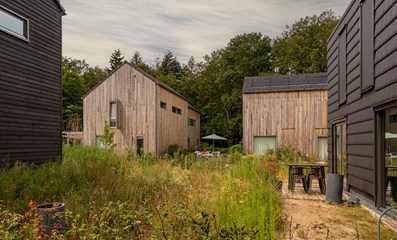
(93, 29)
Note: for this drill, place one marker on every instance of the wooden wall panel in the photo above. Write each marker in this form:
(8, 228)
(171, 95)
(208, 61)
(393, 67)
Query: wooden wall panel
(173, 127)
(135, 96)
(264, 114)
(30, 85)
(194, 131)
(359, 108)
(139, 114)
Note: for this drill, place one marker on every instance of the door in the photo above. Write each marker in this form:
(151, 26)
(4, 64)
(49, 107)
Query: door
(139, 145)
(322, 152)
(339, 146)
(264, 143)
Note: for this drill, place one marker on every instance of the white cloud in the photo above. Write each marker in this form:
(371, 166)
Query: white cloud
(92, 30)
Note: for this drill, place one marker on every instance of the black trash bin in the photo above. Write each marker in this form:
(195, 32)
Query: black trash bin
(53, 215)
(334, 188)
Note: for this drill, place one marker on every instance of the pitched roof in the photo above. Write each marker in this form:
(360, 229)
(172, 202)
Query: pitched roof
(60, 7)
(285, 83)
(157, 82)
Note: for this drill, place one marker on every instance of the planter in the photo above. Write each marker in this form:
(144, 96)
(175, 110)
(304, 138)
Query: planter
(334, 189)
(53, 215)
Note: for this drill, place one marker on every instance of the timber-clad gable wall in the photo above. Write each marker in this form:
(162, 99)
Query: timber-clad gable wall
(139, 112)
(30, 85)
(362, 74)
(296, 118)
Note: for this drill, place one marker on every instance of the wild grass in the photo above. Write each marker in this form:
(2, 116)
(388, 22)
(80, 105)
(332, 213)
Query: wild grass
(171, 198)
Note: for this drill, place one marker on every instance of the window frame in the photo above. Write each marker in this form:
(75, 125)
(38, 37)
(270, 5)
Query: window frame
(26, 24)
(192, 122)
(110, 115)
(176, 110)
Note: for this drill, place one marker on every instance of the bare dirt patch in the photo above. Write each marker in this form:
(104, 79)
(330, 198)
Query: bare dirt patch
(309, 216)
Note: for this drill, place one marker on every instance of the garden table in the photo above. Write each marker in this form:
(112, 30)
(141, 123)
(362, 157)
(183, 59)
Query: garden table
(307, 167)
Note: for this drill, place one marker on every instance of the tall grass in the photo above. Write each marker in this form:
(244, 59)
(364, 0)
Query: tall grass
(180, 198)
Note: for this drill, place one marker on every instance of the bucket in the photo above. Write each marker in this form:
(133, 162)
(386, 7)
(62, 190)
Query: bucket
(53, 215)
(334, 189)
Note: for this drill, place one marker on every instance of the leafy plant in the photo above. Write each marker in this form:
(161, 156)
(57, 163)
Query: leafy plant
(107, 140)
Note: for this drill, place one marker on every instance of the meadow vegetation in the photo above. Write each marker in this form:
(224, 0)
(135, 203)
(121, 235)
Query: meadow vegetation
(126, 197)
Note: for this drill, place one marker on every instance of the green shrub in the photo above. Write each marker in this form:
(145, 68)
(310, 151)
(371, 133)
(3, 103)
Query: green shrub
(106, 194)
(238, 148)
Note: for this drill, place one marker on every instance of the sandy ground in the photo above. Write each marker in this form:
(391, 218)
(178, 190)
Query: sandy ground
(309, 216)
(313, 219)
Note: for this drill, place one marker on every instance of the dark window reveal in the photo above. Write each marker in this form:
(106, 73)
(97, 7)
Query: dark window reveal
(176, 110)
(192, 122)
(14, 24)
(163, 105)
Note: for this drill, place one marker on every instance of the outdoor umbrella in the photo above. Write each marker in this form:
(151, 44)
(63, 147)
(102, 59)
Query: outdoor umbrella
(213, 137)
(390, 135)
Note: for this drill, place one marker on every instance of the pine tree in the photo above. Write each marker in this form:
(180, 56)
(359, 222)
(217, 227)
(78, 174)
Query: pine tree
(115, 60)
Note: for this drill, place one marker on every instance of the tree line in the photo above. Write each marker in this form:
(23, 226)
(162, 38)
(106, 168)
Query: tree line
(214, 85)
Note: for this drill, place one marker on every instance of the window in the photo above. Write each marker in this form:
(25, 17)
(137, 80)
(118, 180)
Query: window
(393, 118)
(14, 24)
(163, 105)
(192, 122)
(176, 110)
(322, 145)
(264, 143)
(113, 115)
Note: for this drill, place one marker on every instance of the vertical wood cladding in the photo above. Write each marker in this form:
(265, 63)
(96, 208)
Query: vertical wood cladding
(139, 112)
(371, 78)
(30, 85)
(296, 118)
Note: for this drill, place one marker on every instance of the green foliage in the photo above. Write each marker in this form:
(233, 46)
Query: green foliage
(115, 60)
(302, 48)
(173, 149)
(77, 78)
(238, 148)
(107, 139)
(105, 195)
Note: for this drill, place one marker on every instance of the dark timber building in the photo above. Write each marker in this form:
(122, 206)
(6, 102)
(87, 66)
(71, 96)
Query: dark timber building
(30, 80)
(362, 100)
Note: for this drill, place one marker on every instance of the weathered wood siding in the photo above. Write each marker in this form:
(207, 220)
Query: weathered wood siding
(194, 131)
(370, 81)
(30, 85)
(173, 127)
(295, 118)
(136, 106)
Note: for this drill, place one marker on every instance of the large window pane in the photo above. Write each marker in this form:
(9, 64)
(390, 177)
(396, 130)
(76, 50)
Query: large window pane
(264, 143)
(13, 24)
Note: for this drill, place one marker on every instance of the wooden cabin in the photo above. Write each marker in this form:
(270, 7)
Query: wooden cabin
(286, 110)
(362, 93)
(143, 112)
(30, 81)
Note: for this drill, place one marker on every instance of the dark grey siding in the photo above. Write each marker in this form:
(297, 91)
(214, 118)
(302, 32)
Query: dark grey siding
(30, 85)
(369, 82)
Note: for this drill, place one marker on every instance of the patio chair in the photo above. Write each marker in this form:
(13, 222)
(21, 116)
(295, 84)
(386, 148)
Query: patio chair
(298, 174)
(315, 173)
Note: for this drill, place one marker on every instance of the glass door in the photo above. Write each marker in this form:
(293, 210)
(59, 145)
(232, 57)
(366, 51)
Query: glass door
(390, 155)
(339, 158)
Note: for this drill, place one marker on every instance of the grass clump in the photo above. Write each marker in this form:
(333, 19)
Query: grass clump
(127, 197)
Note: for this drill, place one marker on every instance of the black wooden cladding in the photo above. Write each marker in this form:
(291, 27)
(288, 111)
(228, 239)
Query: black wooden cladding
(370, 50)
(30, 85)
